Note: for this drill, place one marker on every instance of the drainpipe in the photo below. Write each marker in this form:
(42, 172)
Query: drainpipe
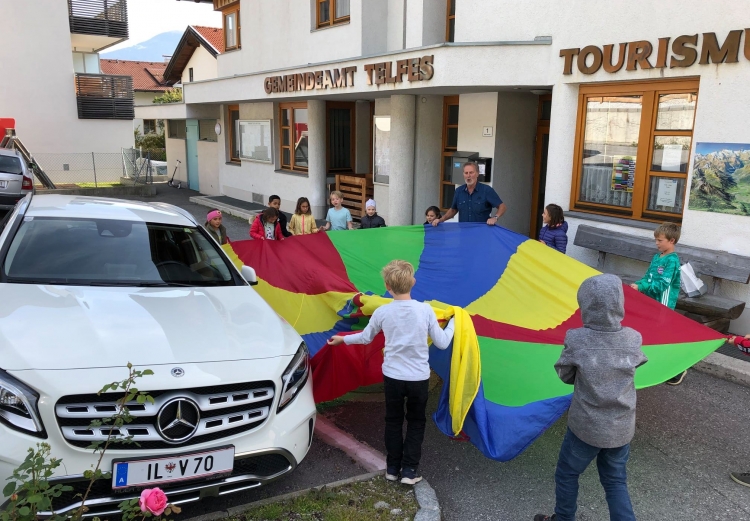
(403, 38)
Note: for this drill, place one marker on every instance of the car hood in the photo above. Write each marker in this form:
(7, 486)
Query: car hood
(77, 327)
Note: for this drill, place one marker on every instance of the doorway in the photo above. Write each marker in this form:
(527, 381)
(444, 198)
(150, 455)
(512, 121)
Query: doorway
(540, 164)
(191, 153)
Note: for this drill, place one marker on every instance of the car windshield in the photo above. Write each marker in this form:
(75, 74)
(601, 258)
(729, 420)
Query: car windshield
(113, 253)
(10, 165)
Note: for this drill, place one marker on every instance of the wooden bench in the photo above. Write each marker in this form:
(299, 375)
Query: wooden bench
(710, 309)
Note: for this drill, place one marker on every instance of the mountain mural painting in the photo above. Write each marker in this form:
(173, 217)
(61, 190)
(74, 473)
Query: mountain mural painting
(721, 178)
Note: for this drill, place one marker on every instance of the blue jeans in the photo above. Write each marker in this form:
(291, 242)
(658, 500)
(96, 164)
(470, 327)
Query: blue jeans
(575, 456)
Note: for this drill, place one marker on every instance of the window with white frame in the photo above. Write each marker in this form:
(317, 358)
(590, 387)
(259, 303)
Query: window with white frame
(86, 62)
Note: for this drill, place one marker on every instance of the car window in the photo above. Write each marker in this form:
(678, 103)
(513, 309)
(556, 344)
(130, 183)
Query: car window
(111, 252)
(10, 165)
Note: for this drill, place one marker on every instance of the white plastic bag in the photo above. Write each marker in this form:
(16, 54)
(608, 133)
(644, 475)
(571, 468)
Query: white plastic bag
(690, 283)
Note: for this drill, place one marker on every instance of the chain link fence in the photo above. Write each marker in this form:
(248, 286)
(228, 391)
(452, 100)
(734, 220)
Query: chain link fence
(84, 170)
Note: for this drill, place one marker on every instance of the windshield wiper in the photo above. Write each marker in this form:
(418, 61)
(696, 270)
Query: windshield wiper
(36, 281)
(135, 284)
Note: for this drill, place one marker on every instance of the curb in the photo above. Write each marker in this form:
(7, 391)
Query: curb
(143, 190)
(725, 367)
(225, 208)
(429, 509)
(235, 511)
(367, 457)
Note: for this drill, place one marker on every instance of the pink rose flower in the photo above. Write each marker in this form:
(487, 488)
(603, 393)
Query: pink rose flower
(153, 500)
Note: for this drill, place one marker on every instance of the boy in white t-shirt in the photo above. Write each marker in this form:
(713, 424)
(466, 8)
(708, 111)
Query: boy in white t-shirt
(406, 324)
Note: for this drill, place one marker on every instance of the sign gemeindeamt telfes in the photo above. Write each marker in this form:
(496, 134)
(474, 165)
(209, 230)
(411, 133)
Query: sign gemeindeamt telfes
(412, 69)
(638, 54)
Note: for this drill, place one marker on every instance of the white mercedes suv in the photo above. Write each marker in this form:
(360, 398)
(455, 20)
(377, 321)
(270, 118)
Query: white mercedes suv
(88, 285)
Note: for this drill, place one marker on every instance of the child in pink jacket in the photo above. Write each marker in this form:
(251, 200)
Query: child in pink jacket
(266, 226)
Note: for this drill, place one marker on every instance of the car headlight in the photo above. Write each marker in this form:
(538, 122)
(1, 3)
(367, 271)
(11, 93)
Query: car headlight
(18, 406)
(295, 376)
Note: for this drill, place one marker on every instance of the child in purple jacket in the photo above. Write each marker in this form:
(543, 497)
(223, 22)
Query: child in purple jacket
(554, 233)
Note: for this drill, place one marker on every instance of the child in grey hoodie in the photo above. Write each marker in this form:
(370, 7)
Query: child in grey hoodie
(600, 360)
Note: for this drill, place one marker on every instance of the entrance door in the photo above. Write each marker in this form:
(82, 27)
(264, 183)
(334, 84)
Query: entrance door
(540, 165)
(191, 153)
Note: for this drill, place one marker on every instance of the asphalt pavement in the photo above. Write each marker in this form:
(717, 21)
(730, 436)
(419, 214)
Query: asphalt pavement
(688, 438)
(237, 229)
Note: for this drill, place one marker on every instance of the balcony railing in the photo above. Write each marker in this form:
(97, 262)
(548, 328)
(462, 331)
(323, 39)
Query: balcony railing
(102, 96)
(99, 17)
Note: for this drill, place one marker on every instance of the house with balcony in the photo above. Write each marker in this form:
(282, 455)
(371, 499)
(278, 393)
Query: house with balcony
(53, 85)
(191, 135)
(622, 124)
(148, 83)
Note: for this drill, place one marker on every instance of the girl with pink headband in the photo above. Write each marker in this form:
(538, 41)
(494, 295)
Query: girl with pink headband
(215, 228)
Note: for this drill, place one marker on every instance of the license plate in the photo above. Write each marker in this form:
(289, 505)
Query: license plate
(3, 184)
(172, 469)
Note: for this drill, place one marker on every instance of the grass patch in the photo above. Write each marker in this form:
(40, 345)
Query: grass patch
(99, 185)
(353, 502)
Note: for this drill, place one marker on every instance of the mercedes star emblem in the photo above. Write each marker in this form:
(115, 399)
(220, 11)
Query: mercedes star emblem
(178, 420)
(178, 371)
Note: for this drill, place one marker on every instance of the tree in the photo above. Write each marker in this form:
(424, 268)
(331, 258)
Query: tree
(169, 96)
(149, 141)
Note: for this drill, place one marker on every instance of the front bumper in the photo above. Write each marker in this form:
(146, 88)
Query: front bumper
(251, 470)
(262, 455)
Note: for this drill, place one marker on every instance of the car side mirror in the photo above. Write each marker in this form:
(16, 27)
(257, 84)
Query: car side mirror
(248, 274)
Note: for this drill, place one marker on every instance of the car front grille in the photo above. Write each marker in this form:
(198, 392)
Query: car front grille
(177, 418)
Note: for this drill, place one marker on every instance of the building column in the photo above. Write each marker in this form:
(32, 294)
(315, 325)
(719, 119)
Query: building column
(427, 154)
(316, 157)
(401, 180)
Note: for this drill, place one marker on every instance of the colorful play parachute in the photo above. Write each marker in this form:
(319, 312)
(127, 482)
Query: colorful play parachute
(521, 296)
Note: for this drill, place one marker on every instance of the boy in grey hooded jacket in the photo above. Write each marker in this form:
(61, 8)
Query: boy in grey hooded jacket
(600, 360)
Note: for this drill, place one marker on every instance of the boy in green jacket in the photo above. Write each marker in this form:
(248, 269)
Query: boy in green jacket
(662, 279)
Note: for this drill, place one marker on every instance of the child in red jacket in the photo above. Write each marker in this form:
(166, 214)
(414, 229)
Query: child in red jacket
(266, 226)
(743, 344)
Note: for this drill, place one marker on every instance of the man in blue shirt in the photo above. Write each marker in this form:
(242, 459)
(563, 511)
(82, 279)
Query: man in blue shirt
(474, 201)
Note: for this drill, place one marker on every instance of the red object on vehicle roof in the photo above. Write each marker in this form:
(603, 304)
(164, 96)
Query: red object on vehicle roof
(6, 123)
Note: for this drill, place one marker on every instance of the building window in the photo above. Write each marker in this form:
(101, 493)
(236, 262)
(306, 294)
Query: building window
(293, 136)
(450, 145)
(149, 126)
(207, 130)
(331, 12)
(190, 74)
(86, 62)
(340, 137)
(633, 147)
(450, 21)
(233, 117)
(381, 136)
(176, 128)
(231, 28)
(255, 140)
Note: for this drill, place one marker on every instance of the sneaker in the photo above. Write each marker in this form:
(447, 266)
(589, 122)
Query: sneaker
(677, 380)
(743, 478)
(410, 476)
(391, 474)
(542, 517)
